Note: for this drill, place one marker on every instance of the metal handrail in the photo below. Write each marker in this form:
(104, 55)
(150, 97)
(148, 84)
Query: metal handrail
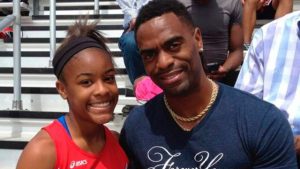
(96, 7)
(52, 30)
(16, 20)
(17, 102)
(53, 26)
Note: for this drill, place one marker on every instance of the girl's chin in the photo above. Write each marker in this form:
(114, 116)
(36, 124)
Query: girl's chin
(104, 119)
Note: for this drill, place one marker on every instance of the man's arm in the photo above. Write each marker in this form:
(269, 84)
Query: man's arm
(274, 145)
(235, 46)
(249, 17)
(235, 55)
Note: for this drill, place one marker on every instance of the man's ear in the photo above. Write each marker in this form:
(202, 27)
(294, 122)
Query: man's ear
(60, 87)
(198, 38)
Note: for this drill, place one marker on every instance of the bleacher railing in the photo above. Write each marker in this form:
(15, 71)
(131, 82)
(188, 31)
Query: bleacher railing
(52, 30)
(15, 18)
(96, 7)
(53, 26)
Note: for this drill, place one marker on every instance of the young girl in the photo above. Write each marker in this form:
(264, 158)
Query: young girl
(86, 79)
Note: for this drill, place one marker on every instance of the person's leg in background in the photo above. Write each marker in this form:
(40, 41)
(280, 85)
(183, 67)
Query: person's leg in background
(132, 59)
(143, 86)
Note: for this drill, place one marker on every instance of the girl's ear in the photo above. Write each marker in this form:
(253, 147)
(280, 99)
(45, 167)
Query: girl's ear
(60, 87)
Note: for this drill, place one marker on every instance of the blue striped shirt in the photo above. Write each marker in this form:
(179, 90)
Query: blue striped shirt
(271, 67)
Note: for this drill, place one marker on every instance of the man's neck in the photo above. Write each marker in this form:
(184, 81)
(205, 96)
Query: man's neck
(191, 104)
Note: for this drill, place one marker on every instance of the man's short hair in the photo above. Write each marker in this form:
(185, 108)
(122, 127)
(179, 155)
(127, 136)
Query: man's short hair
(156, 8)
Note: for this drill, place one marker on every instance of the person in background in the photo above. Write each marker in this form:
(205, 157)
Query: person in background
(144, 88)
(6, 33)
(86, 79)
(220, 23)
(262, 9)
(9, 10)
(196, 122)
(271, 68)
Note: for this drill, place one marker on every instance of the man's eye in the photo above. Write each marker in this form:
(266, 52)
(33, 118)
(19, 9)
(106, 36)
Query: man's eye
(174, 46)
(148, 56)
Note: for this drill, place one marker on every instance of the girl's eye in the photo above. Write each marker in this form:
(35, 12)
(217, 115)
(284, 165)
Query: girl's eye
(85, 82)
(110, 79)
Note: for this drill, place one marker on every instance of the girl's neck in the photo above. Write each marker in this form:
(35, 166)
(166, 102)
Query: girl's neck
(87, 136)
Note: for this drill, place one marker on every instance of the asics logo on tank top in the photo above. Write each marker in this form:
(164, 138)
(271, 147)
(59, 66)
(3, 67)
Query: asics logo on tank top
(75, 164)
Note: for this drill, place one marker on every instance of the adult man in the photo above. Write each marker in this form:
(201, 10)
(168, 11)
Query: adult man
(271, 68)
(222, 35)
(197, 123)
(262, 9)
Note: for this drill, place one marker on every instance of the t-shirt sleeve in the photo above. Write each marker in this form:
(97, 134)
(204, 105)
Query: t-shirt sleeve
(274, 145)
(237, 13)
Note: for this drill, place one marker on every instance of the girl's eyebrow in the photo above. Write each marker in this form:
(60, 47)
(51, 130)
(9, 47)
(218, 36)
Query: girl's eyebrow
(90, 74)
(110, 70)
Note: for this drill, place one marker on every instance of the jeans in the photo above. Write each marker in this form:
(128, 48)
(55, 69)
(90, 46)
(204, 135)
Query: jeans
(132, 59)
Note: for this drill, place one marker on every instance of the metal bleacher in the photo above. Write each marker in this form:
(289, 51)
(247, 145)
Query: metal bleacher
(40, 100)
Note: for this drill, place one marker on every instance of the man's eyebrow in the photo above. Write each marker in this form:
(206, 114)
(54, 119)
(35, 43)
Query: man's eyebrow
(143, 51)
(167, 42)
(173, 39)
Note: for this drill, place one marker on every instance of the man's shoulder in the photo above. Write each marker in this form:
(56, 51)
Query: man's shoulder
(251, 105)
(243, 99)
(236, 93)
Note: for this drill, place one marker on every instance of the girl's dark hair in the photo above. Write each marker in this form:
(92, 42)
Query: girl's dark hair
(82, 28)
(79, 36)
